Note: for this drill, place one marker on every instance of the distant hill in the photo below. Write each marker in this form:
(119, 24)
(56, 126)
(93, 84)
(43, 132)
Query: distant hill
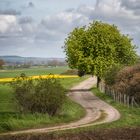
(25, 60)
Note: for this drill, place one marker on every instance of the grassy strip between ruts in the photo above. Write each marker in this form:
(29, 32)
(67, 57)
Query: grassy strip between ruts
(11, 119)
(130, 117)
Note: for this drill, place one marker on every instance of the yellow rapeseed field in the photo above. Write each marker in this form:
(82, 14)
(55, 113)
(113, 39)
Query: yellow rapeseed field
(42, 76)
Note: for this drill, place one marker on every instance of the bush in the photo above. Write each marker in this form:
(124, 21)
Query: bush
(70, 72)
(111, 74)
(39, 95)
(128, 81)
(81, 73)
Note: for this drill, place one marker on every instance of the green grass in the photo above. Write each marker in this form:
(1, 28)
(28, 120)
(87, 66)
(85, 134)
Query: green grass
(7, 103)
(11, 119)
(130, 117)
(69, 82)
(32, 71)
(15, 121)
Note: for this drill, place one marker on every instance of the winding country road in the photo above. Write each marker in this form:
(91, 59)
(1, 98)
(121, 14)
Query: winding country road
(92, 104)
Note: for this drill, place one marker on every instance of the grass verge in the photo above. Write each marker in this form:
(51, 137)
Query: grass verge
(130, 117)
(70, 82)
(15, 121)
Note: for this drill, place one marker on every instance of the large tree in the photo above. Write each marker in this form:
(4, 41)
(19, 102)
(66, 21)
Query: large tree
(96, 48)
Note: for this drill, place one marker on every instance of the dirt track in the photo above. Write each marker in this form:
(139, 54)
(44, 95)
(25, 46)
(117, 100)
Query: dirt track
(92, 104)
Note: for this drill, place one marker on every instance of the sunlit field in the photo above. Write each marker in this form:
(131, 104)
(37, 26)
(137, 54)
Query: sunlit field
(32, 71)
(12, 119)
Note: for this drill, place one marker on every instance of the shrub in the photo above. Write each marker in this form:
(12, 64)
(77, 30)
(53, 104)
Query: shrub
(39, 95)
(70, 72)
(111, 74)
(128, 81)
(81, 73)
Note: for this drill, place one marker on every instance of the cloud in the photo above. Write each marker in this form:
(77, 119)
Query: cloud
(56, 27)
(9, 12)
(116, 12)
(8, 24)
(50, 30)
(25, 20)
(31, 4)
(28, 5)
(13, 27)
(64, 21)
(131, 4)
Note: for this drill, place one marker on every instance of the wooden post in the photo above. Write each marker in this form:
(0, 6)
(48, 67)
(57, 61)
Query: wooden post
(128, 101)
(113, 95)
(125, 99)
(132, 101)
(120, 97)
(117, 96)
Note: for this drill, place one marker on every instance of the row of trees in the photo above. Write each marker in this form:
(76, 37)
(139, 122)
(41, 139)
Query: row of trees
(98, 47)
(1, 63)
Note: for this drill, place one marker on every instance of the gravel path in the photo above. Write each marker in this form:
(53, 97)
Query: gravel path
(92, 104)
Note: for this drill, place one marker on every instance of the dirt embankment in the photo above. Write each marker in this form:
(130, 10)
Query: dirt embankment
(108, 134)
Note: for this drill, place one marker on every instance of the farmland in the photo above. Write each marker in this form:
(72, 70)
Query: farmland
(32, 71)
(12, 119)
(125, 128)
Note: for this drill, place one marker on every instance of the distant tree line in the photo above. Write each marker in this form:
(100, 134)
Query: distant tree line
(1, 63)
(16, 65)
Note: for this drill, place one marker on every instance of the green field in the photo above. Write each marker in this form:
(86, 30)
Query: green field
(130, 116)
(32, 71)
(11, 119)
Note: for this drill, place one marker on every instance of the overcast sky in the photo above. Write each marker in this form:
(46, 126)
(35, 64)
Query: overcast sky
(39, 27)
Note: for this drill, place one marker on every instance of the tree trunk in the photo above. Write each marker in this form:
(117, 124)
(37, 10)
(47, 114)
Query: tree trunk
(98, 81)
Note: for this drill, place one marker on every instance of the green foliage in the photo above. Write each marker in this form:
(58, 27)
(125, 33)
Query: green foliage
(96, 48)
(138, 60)
(81, 73)
(40, 95)
(12, 119)
(7, 102)
(110, 75)
(128, 81)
